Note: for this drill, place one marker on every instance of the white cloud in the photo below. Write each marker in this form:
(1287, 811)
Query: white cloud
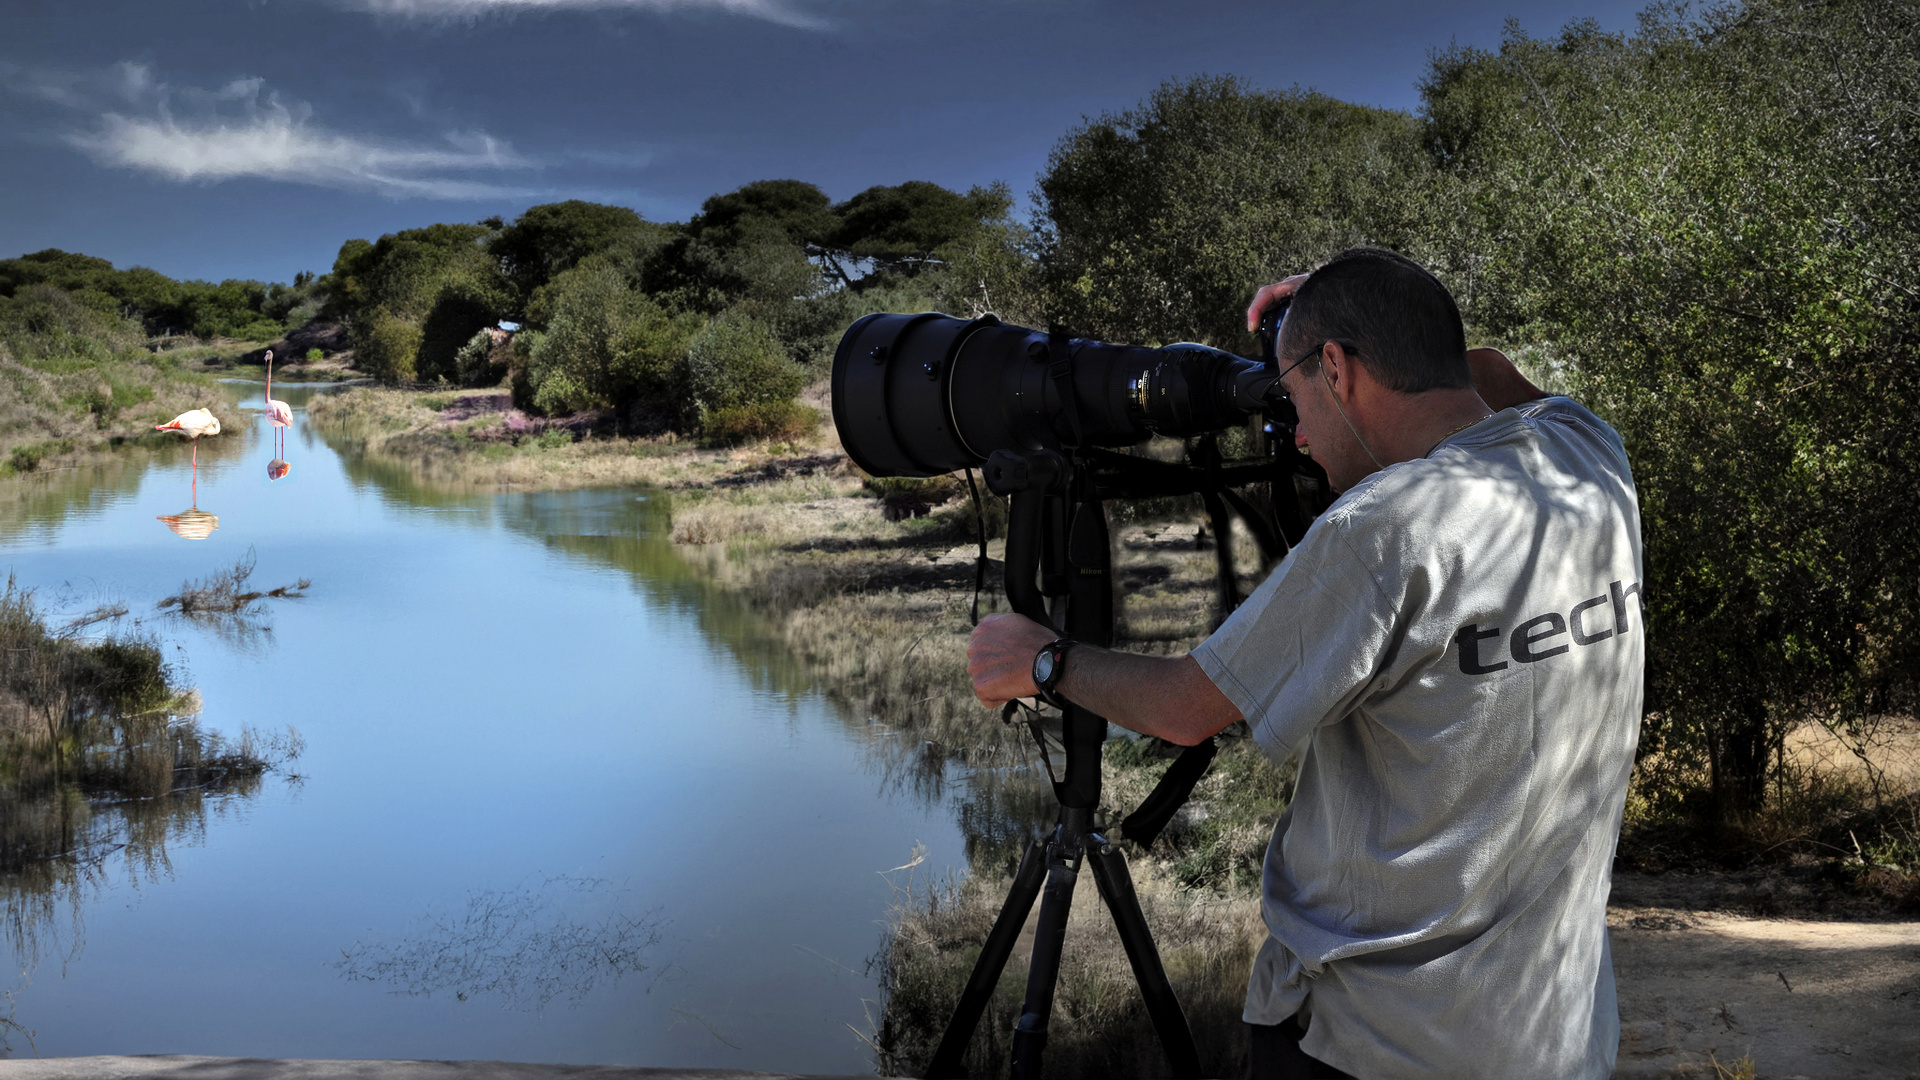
(241, 130)
(771, 10)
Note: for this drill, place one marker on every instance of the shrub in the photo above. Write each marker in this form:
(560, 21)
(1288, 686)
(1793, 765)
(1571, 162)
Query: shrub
(315, 354)
(767, 421)
(459, 312)
(384, 346)
(735, 362)
(473, 364)
(607, 344)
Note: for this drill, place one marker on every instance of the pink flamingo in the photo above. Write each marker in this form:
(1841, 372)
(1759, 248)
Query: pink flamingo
(193, 423)
(278, 413)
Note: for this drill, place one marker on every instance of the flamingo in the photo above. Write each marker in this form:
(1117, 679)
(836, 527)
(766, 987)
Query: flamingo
(193, 423)
(279, 414)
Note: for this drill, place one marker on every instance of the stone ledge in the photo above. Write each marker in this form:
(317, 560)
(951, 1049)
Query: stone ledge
(184, 1067)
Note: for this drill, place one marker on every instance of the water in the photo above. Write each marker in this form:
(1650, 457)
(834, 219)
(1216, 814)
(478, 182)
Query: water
(559, 801)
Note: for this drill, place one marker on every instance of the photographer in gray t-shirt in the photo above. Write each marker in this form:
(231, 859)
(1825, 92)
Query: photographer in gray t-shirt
(1455, 653)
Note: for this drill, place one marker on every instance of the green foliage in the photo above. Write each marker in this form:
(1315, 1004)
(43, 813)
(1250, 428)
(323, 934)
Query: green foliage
(473, 363)
(763, 421)
(1160, 220)
(735, 362)
(315, 354)
(247, 310)
(548, 240)
(441, 282)
(1711, 222)
(461, 311)
(384, 345)
(607, 344)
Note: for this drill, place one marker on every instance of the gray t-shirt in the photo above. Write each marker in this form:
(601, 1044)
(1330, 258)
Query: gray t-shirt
(1455, 650)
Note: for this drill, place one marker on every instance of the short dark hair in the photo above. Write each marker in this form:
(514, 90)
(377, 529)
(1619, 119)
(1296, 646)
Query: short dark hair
(1388, 309)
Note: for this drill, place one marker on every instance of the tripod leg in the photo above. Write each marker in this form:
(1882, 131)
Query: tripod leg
(947, 1060)
(1049, 937)
(1116, 888)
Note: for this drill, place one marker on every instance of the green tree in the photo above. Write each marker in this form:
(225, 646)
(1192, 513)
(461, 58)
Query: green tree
(1157, 220)
(900, 230)
(1708, 224)
(442, 273)
(550, 239)
(735, 363)
(607, 345)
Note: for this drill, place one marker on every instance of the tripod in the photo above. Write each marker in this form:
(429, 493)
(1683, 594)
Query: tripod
(1058, 573)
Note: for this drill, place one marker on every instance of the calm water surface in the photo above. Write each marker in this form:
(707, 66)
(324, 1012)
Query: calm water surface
(559, 801)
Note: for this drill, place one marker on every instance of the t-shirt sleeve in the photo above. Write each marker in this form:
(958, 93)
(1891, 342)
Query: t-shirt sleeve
(1304, 647)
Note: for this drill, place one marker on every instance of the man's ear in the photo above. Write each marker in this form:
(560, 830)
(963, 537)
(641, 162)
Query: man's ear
(1341, 368)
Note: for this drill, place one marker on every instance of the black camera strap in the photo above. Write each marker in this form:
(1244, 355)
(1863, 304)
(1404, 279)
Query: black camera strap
(980, 532)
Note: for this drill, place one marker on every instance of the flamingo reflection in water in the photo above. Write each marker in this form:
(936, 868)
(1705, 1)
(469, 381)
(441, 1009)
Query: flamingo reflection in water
(280, 418)
(191, 524)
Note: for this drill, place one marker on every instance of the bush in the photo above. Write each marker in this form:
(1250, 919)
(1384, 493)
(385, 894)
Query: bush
(473, 364)
(768, 421)
(315, 354)
(734, 363)
(460, 311)
(607, 344)
(384, 346)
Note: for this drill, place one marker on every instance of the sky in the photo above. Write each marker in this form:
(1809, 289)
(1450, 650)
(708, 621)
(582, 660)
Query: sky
(249, 138)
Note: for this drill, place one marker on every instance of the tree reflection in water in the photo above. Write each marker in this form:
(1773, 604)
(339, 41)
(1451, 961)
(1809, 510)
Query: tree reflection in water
(522, 946)
(102, 761)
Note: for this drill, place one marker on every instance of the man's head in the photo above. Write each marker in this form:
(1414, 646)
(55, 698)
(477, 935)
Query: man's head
(1398, 320)
(1374, 357)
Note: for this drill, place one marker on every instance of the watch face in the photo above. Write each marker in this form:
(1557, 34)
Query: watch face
(1043, 667)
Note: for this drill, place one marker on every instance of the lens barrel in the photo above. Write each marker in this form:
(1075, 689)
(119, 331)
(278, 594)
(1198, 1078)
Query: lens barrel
(921, 395)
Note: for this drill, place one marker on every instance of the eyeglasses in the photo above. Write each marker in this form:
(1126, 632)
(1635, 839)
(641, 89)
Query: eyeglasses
(1311, 353)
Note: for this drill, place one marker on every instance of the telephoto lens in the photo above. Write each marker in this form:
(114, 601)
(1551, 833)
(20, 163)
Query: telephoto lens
(921, 395)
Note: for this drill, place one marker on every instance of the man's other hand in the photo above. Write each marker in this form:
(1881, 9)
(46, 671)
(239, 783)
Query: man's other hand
(1000, 657)
(1266, 296)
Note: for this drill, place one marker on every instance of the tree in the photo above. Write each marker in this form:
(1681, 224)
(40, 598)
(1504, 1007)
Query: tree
(607, 345)
(550, 239)
(1709, 225)
(1157, 221)
(899, 230)
(406, 277)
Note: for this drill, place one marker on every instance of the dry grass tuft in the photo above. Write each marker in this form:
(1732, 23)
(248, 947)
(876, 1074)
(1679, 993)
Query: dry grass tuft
(225, 592)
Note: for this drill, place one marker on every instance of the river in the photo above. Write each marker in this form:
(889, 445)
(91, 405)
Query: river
(559, 801)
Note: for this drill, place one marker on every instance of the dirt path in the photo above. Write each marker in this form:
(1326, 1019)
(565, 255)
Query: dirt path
(1799, 998)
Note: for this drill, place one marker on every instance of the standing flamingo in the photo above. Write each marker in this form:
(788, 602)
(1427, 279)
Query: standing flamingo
(280, 416)
(193, 423)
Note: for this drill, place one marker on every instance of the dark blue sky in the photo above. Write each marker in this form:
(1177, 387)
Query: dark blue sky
(248, 138)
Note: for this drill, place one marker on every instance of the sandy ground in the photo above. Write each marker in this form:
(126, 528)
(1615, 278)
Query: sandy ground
(1797, 998)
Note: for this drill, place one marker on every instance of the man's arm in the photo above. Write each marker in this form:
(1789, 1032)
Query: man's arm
(1167, 696)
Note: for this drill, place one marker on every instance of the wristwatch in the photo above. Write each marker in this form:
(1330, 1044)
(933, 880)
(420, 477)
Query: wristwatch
(1049, 664)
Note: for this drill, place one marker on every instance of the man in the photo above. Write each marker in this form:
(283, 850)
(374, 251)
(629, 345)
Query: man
(1455, 652)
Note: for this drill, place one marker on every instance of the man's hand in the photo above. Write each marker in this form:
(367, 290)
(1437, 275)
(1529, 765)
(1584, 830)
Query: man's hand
(1000, 657)
(1266, 296)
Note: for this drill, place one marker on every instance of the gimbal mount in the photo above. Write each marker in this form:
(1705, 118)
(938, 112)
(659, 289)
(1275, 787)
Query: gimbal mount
(1058, 573)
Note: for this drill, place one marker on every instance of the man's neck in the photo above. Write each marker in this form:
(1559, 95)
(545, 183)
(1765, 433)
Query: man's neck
(1407, 426)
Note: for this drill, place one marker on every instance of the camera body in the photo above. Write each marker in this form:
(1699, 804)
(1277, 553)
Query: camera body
(926, 394)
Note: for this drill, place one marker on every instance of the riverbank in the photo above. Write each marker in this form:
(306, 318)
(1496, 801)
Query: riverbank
(85, 409)
(869, 584)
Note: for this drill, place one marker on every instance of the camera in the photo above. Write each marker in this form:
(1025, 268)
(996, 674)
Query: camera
(926, 394)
